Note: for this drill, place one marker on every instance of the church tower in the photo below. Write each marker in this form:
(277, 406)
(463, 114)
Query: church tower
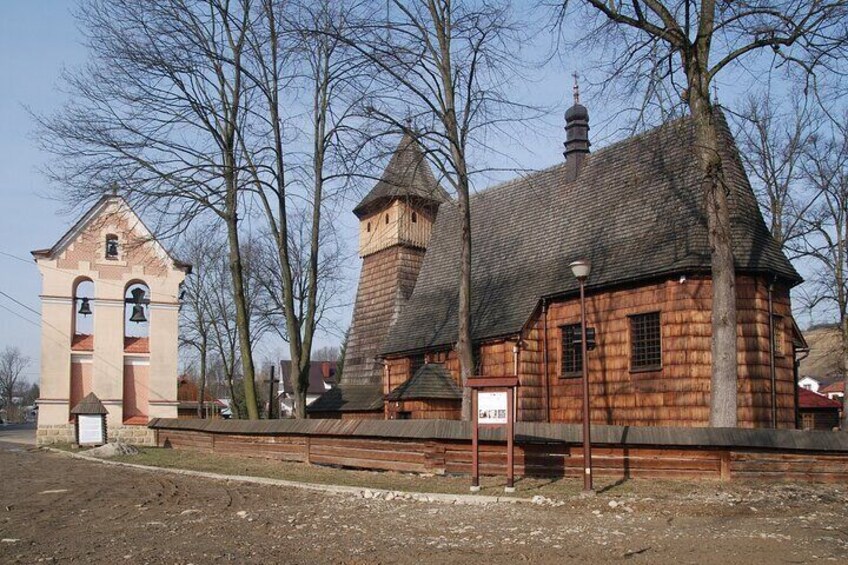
(395, 221)
(109, 326)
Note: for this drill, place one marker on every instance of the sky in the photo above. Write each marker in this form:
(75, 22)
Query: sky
(38, 38)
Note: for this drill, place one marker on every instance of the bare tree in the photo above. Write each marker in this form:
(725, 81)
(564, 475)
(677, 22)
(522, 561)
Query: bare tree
(12, 365)
(209, 318)
(157, 114)
(773, 145)
(688, 43)
(198, 316)
(826, 170)
(292, 50)
(444, 70)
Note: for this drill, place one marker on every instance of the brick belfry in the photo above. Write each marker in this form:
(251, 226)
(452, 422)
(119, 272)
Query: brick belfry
(395, 221)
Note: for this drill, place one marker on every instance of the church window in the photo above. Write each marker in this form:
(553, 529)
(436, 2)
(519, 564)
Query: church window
(645, 342)
(572, 352)
(414, 218)
(387, 219)
(368, 227)
(111, 246)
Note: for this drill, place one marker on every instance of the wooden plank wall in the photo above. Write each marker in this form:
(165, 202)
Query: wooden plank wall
(555, 459)
(678, 393)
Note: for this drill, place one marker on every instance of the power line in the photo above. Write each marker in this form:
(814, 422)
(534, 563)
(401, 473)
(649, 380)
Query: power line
(19, 303)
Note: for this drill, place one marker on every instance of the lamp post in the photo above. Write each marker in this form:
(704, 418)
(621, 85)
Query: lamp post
(581, 269)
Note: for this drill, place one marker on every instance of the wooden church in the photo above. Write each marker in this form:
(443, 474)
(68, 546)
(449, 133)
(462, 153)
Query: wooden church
(635, 210)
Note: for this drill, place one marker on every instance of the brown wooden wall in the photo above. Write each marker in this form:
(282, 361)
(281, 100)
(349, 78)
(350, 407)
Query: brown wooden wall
(678, 394)
(427, 455)
(432, 409)
(385, 282)
(346, 415)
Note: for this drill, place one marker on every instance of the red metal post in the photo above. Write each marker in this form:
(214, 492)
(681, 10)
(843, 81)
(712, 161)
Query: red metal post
(510, 437)
(587, 441)
(475, 459)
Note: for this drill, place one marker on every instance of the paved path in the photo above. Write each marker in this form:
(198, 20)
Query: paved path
(18, 433)
(55, 508)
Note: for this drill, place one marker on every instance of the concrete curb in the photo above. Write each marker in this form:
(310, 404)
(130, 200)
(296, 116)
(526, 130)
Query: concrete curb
(359, 492)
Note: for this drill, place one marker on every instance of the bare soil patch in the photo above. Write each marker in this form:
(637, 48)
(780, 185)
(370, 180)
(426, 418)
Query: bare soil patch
(54, 508)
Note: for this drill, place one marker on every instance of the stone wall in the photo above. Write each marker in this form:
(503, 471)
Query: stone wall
(55, 433)
(65, 433)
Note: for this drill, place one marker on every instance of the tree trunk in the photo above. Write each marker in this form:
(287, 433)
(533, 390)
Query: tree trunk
(463, 346)
(202, 395)
(242, 319)
(723, 402)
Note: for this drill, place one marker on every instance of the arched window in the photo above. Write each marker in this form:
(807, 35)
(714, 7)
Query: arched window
(136, 317)
(112, 251)
(387, 219)
(414, 218)
(83, 307)
(368, 227)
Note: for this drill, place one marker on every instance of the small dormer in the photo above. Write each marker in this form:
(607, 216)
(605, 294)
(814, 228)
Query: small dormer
(402, 206)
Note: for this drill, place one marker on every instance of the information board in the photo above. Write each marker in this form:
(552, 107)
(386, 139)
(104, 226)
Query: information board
(492, 408)
(91, 430)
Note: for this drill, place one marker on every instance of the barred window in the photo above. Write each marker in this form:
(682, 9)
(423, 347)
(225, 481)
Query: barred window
(572, 353)
(645, 342)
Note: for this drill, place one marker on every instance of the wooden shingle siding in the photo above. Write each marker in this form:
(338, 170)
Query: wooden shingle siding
(675, 394)
(387, 278)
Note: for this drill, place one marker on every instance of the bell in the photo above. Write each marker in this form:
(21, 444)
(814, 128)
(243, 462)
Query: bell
(138, 310)
(138, 314)
(85, 307)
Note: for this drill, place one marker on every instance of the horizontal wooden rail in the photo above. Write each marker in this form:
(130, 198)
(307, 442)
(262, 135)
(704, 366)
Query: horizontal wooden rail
(435, 446)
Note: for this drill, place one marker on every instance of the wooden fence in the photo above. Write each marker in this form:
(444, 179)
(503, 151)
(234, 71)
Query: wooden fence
(442, 446)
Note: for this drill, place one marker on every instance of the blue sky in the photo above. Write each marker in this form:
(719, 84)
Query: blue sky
(37, 38)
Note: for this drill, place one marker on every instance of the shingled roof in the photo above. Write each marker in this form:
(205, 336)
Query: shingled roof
(89, 405)
(349, 398)
(635, 211)
(406, 176)
(429, 381)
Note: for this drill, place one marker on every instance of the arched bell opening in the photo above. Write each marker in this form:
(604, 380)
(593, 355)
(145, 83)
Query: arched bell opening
(136, 349)
(83, 315)
(136, 317)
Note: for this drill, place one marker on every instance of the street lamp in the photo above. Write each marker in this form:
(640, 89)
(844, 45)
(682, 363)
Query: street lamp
(581, 269)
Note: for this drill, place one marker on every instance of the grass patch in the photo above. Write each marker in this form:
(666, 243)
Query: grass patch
(317, 474)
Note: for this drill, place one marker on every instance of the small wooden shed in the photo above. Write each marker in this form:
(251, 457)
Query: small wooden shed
(90, 421)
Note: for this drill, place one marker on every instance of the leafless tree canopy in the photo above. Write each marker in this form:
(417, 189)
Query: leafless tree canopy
(241, 112)
(442, 74)
(12, 365)
(667, 54)
(773, 141)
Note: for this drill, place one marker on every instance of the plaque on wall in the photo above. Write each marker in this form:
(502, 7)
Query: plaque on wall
(92, 430)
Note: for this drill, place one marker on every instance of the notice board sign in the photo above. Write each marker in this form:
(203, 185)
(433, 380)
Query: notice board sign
(492, 407)
(91, 429)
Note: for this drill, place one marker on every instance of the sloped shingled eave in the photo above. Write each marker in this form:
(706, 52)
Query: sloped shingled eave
(635, 211)
(408, 175)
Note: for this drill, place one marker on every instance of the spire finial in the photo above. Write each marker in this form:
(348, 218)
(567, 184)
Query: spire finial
(576, 88)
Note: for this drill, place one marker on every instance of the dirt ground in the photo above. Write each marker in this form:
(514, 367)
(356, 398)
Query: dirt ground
(57, 509)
